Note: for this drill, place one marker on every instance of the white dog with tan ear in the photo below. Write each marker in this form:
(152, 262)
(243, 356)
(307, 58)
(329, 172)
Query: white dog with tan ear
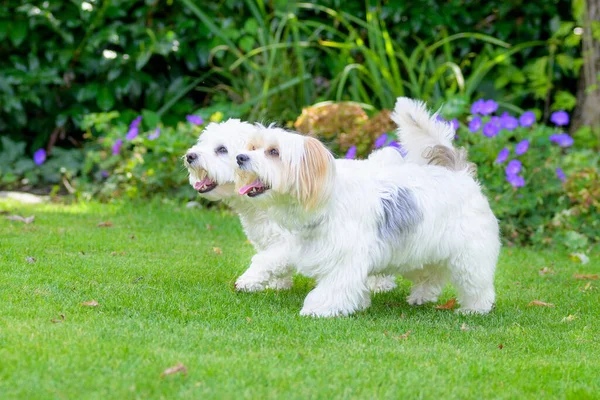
(429, 223)
(211, 172)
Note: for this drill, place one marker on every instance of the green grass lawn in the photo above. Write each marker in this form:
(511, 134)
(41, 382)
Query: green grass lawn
(165, 295)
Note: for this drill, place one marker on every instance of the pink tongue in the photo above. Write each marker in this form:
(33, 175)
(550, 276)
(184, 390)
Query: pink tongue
(245, 189)
(198, 185)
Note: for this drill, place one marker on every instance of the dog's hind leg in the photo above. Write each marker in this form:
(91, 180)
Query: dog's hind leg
(472, 274)
(427, 284)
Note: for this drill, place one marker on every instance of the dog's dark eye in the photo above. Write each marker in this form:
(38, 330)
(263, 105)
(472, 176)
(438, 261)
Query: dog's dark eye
(221, 150)
(274, 153)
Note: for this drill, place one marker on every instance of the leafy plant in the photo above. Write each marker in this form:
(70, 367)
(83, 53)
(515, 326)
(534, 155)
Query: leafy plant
(18, 170)
(139, 160)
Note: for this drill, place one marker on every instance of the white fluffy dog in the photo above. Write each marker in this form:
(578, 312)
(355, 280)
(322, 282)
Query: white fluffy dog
(211, 172)
(429, 223)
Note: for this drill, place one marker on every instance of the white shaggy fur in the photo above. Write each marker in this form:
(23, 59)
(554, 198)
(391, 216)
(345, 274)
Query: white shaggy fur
(214, 166)
(418, 131)
(354, 219)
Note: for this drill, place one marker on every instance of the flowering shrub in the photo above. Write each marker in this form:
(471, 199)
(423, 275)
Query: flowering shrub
(520, 163)
(139, 160)
(344, 126)
(17, 170)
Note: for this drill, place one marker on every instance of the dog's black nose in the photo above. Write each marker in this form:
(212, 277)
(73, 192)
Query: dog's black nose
(190, 157)
(241, 158)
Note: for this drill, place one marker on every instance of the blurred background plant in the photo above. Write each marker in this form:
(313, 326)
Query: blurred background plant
(96, 96)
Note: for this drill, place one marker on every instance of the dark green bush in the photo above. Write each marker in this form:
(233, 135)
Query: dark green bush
(62, 60)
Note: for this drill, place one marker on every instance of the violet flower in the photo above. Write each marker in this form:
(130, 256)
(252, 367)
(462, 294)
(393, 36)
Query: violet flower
(195, 119)
(560, 118)
(502, 156)
(527, 119)
(522, 147)
(39, 157)
(351, 153)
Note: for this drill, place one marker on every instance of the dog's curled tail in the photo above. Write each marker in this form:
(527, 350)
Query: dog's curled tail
(451, 158)
(426, 139)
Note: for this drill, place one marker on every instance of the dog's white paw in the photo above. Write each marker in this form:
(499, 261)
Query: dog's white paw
(472, 311)
(250, 284)
(280, 283)
(381, 283)
(478, 308)
(322, 305)
(420, 296)
(321, 312)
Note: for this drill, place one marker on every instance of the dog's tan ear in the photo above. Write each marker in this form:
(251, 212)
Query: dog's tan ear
(316, 170)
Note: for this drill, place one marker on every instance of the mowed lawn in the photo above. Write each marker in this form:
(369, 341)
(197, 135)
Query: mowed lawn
(162, 277)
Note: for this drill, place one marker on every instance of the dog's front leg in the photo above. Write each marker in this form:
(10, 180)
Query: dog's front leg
(342, 292)
(269, 269)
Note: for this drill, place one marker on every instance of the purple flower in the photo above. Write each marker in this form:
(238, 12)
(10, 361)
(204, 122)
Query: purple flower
(508, 122)
(513, 167)
(397, 145)
(440, 118)
(455, 124)
(195, 119)
(475, 124)
(562, 139)
(104, 174)
(527, 119)
(351, 152)
(117, 146)
(515, 180)
(490, 129)
(522, 147)
(154, 135)
(512, 170)
(132, 134)
(477, 107)
(380, 142)
(488, 107)
(134, 128)
(560, 174)
(39, 156)
(136, 122)
(560, 118)
(502, 155)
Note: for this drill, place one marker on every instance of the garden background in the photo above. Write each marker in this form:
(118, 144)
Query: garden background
(99, 99)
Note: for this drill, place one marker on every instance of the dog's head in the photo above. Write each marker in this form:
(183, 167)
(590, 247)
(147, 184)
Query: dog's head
(210, 163)
(281, 163)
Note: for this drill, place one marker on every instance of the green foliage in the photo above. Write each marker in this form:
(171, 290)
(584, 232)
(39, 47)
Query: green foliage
(376, 70)
(578, 224)
(544, 210)
(265, 58)
(17, 170)
(63, 60)
(521, 210)
(143, 167)
(85, 57)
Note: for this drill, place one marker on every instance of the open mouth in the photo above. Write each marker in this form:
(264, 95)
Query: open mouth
(253, 189)
(205, 185)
